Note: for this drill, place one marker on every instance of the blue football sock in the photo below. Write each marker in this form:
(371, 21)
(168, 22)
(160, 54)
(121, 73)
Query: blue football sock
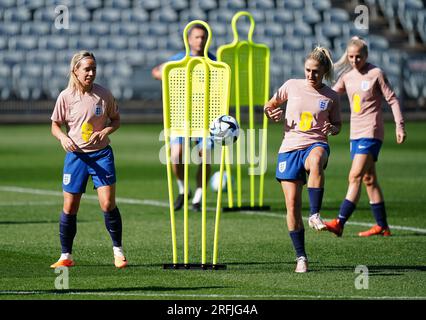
(298, 239)
(379, 213)
(114, 226)
(315, 199)
(67, 231)
(346, 209)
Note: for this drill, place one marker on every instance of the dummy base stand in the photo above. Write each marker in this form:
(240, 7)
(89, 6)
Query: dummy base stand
(194, 266)
(247, 208)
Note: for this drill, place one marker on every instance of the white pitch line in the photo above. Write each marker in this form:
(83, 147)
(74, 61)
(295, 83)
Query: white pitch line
(165, 204)
(210, 296)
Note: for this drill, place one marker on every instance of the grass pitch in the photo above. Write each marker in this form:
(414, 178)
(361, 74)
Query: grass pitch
(255, 246)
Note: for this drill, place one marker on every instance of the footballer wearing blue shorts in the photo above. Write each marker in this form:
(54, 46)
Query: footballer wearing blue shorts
(311, 114)
(197, 38)
(90, 114)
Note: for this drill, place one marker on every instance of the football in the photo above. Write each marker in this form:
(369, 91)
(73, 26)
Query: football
(214, 182)
(224, 130)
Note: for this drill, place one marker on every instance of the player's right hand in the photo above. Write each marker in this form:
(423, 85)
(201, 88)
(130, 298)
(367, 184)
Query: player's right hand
(68, 144)
(274, 114)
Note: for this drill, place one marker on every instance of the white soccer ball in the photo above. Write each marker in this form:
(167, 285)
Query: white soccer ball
(224, 130)
(214, 182)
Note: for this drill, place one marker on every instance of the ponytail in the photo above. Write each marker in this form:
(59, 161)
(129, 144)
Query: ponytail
(323, 56)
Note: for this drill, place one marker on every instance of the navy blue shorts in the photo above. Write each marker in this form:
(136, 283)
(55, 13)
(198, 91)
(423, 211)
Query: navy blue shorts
(291, 165)
(78, 166)
(366, 146)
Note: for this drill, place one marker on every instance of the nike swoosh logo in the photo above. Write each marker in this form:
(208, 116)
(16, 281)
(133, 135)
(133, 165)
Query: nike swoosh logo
(362, 147)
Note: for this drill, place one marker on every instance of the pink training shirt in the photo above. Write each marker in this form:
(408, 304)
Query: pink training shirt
(85, 114)
(365, 90)
(307, 111)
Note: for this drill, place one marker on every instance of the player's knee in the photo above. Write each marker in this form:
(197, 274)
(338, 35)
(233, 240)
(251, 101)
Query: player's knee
(354, 177)
(107, 205)
(369, 180)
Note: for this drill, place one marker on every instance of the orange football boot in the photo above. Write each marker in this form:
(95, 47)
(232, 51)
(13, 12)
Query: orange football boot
(376, 230)
(335, 227)
(63, 263)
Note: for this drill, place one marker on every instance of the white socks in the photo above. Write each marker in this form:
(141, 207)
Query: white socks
(65, 256)
(118, 251)
(180, 186)
(197, 196)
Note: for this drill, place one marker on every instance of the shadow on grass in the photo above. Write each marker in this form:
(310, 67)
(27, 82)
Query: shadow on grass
(135, 290)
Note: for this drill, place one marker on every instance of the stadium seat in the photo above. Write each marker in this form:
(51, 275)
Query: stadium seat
(336, 15)
(119, 77)
(302, 30)
(232, 4)
(27, 82)
(118, 4)
(5, 83)
(291, 45)
(96, 28)
(328, 30)
(261, 4)
(421, 25)
(377, 42)
(3, 43)
(23, 43)
(205, 5)
(12, 57)
(281, 16)
(52, 42)
(40, 56)
(30, 4)
(389, 9)
(223, 16)
(148, 5)
(292, 5)
(176, 5)
(10, 29)
(19, 14)
(105, 57)
(407, 14)
(55, 79)
(113, 43)
(192, 14)
(36, 28)
(158, 29)
(45, 14)
(79, 14)
(54, 3)
(310, 17)
(107, 15)
(138, 15)
(88, 4)
(164, 15)
(144, 85)
(132, 57)
(126, 29)
(83, 43)
(319, 5)
(148, 43)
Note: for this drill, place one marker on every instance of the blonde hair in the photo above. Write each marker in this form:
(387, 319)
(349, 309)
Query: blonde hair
(342, 65)
(73, 82)
(323, 56)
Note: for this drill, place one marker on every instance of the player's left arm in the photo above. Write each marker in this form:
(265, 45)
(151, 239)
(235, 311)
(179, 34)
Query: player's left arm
(393, 102)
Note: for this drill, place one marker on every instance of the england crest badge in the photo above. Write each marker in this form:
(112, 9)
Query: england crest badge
(66, 179)
(98, 110)
(282, 166)
(323, 104)
(365, 85)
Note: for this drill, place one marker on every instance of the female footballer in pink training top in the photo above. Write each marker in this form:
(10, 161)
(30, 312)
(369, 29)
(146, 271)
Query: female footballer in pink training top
(90, 114)
(365, 84)
(312, 113)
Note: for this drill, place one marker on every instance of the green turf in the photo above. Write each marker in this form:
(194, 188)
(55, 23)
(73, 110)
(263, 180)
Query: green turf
(255, 247)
